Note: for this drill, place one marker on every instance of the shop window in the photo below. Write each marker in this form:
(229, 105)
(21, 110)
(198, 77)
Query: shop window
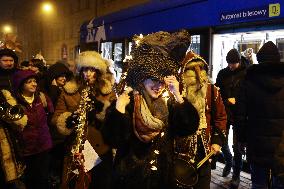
(280, 45)
(106, 50)
(195, 44)
(117, 53)
(253, 44)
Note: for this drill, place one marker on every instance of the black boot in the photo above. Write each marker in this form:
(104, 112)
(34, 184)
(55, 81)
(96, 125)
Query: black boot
(235, 182)
(227, 169)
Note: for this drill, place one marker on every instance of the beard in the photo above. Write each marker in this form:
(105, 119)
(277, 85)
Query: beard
(197, 96)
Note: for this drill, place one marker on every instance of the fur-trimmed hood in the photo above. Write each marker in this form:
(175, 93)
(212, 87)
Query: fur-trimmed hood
(71, 87)
(105, 85)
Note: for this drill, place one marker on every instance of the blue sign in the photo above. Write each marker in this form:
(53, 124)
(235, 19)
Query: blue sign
(245, 14)
(260, 12)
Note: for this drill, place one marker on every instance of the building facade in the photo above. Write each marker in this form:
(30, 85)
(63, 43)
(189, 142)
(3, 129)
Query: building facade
(56, 35)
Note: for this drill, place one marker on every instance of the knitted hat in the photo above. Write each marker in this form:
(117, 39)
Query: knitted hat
(10, 53)
(156, 56)
(91, 59)
(233, 56)
(268, 53)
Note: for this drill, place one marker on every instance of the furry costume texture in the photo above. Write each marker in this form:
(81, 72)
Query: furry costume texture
(94, 60)
(12, 168)
(156, 56)
(61, 124)
(12, 101)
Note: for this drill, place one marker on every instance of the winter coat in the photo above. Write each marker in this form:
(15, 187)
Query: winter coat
(6, 79)
(229, 83)
(260, 115)
(132, 168)
(68, 103)
(35, 137)
(54, 91)
(215, 132)
(11, 162)
(12, 166)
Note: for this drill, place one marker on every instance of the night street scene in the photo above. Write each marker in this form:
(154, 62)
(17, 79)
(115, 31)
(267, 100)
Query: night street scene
(141, 94)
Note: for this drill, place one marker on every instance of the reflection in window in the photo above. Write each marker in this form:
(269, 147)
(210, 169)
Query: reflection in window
(117, 52)
(195, 44)
(280, 45)
(106, 49)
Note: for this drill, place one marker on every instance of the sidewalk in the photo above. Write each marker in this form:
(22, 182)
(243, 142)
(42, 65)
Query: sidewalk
(219, 182)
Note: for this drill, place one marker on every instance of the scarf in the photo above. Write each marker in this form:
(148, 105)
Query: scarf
(149, 116)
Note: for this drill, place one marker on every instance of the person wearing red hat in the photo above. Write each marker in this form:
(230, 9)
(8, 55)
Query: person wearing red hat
(259, 118)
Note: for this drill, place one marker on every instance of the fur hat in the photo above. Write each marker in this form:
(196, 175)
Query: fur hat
(233, 56)
(10, 53)
(94, 60)
(268, 53)
(156, 56)
(56, 70)
(91, 59)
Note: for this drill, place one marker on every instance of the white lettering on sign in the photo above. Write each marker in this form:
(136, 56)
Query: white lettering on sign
(244, 14)
(256, 13)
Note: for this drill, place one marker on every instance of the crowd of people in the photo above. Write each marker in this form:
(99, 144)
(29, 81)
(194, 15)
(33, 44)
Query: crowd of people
(158, 128)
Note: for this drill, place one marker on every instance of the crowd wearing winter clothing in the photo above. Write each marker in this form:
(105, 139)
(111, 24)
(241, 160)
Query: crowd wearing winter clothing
(77, 130)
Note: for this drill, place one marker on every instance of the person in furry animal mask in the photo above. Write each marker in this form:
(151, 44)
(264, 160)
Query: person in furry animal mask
(137, 123)
(197, 90)
(93, 72)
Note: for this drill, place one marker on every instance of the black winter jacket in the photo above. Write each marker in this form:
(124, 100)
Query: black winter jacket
(229, 83)
(131, 165)
(260, 115)
(6, 79)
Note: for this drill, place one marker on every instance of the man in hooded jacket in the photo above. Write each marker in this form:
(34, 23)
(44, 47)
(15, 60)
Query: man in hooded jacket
(260, 118)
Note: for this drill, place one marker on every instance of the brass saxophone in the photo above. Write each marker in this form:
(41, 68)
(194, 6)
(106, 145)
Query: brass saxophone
(80, 131)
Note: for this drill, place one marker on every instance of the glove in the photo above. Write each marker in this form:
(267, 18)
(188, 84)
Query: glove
(72, 120)
(97, 105)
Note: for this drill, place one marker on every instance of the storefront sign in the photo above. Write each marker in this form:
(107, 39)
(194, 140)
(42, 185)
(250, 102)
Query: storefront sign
(271, 10)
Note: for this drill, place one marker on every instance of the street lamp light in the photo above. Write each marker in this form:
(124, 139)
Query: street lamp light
(47, 7)
(7, 29)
